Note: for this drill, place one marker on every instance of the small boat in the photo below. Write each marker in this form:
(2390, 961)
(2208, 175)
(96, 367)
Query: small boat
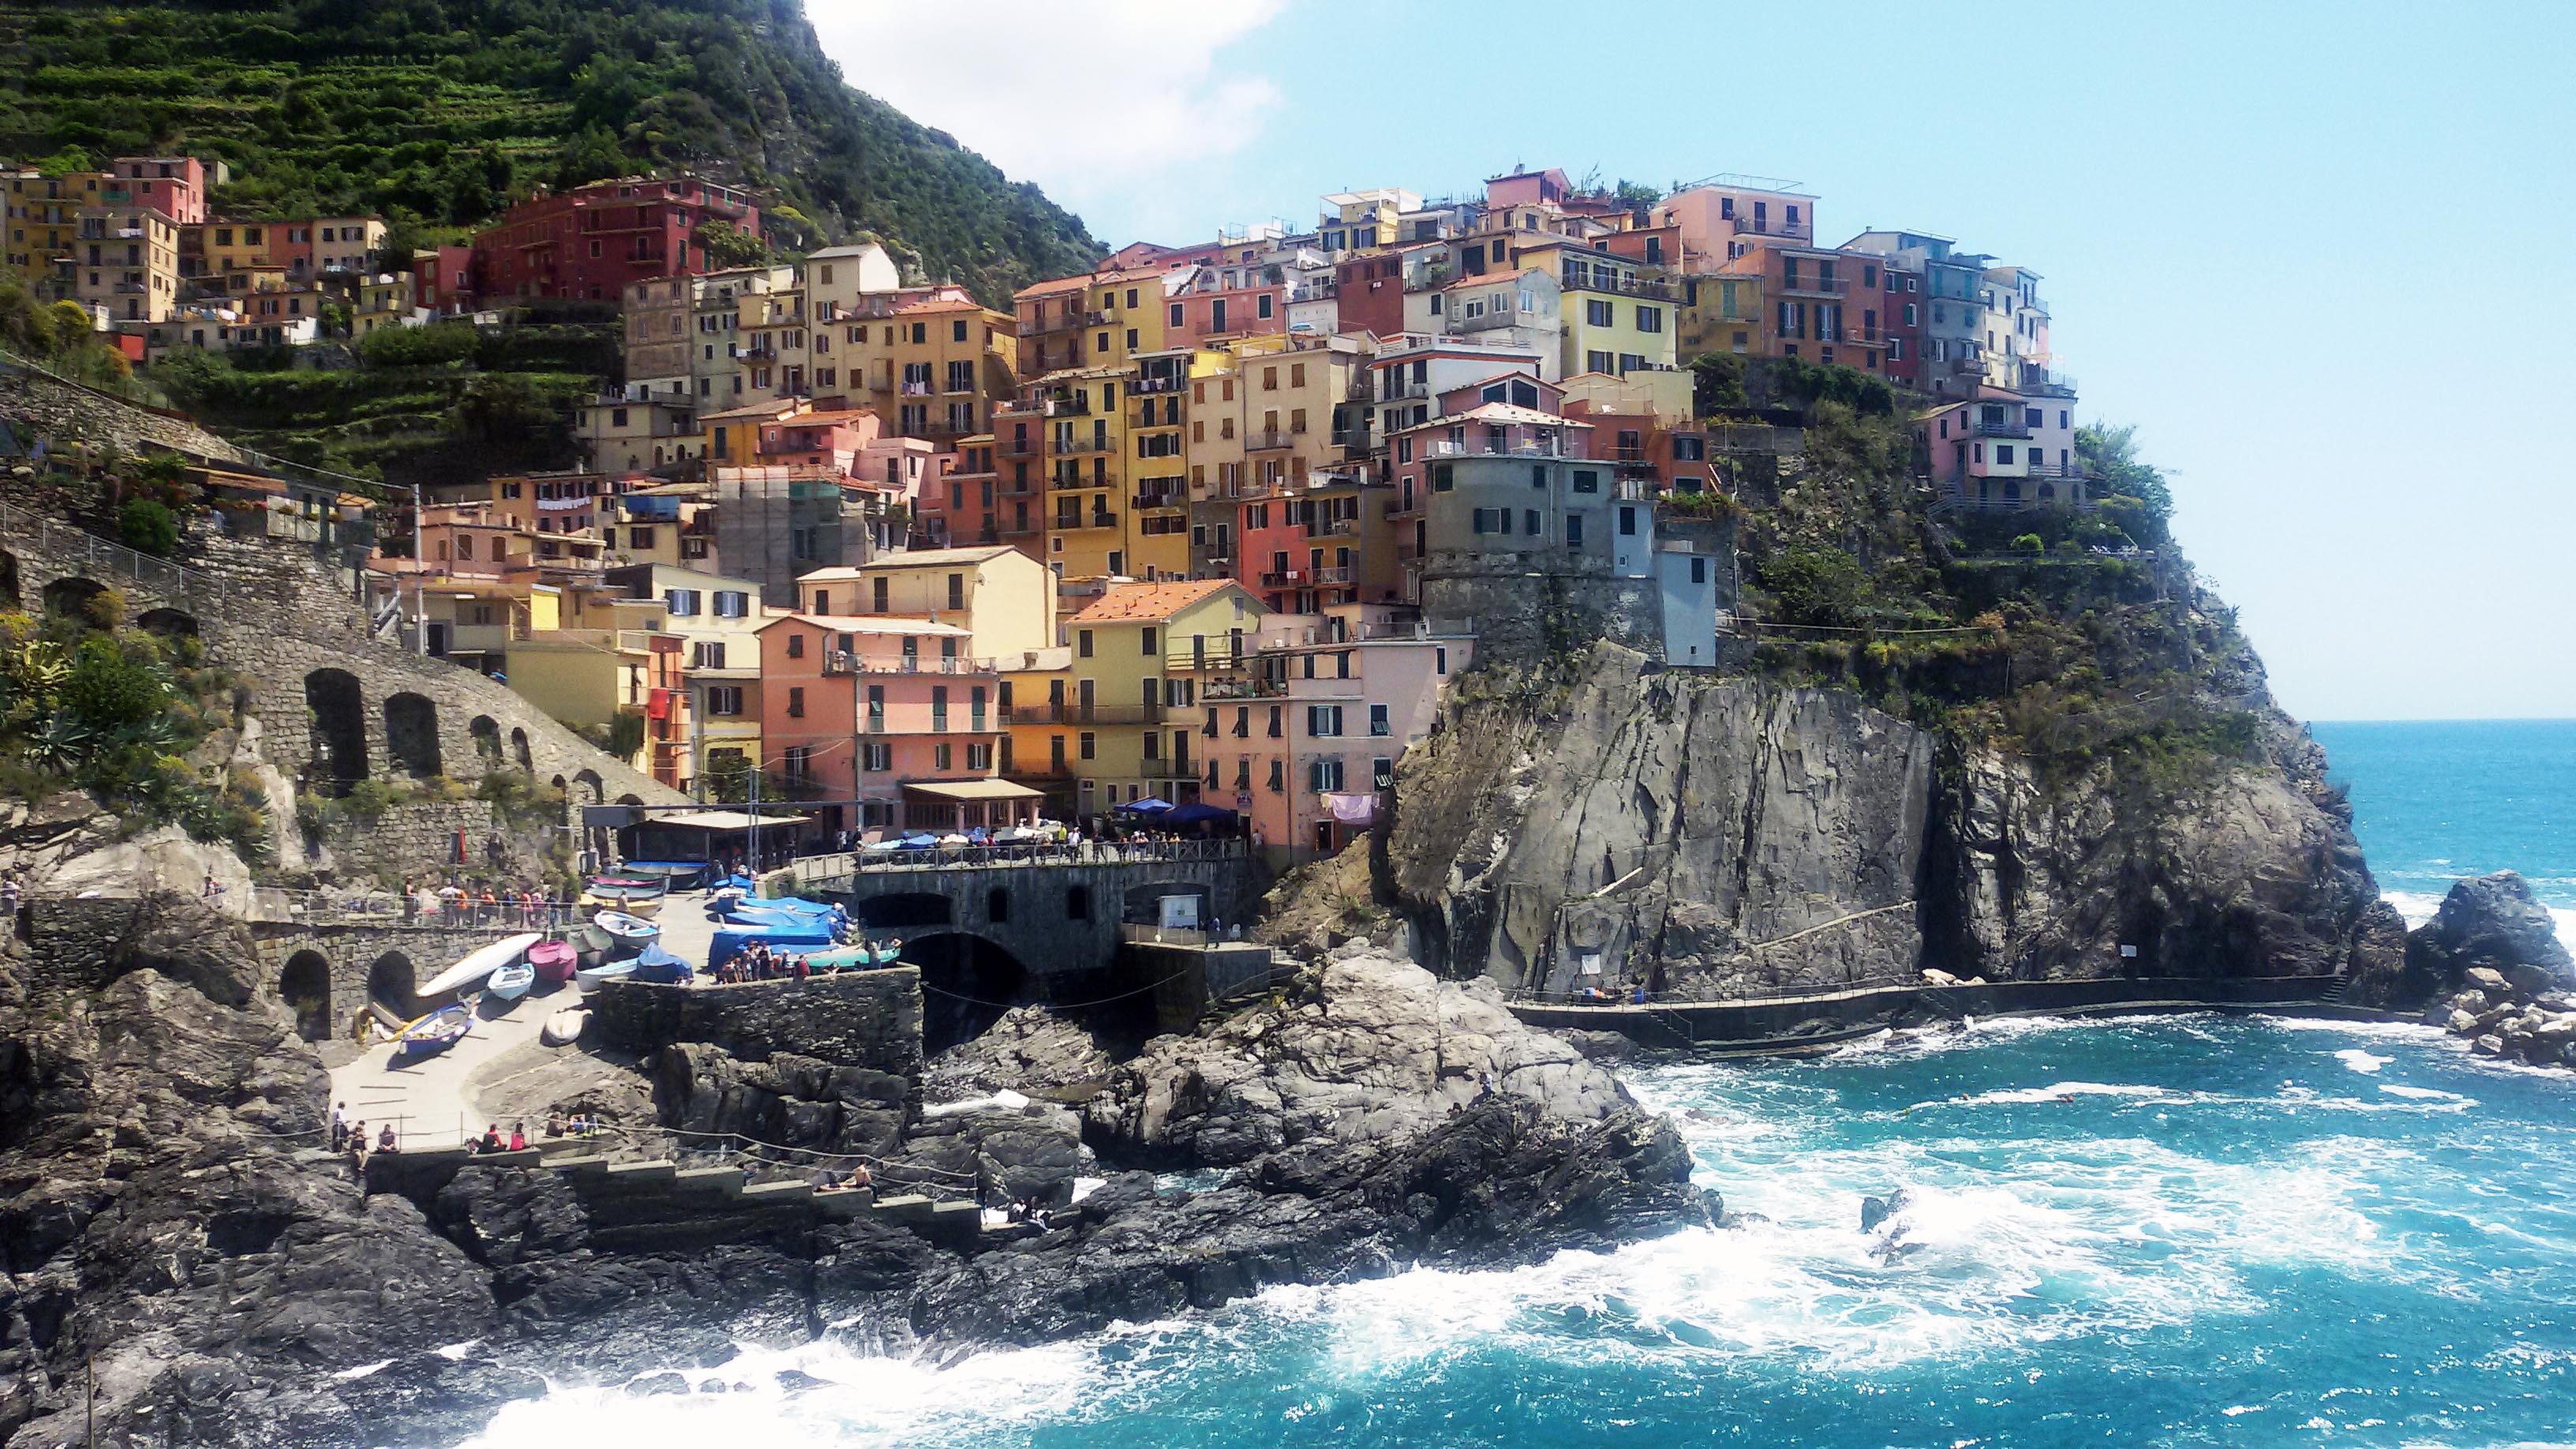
(592, 977)
(564, 1027)
(626, 931)
(512, 981)
(889, 953)
(658, 965)
(480, 964)
(433, 1033)
(553, 961)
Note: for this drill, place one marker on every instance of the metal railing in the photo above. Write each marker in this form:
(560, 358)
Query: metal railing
(272, 905)
(115, 560)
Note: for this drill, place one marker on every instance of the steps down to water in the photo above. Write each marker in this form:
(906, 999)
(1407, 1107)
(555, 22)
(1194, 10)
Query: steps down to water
(662, 1202)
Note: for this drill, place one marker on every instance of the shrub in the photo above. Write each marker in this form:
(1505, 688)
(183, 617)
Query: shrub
(1815, 586)
(147, 527)
(2027, 543)
(109, 687)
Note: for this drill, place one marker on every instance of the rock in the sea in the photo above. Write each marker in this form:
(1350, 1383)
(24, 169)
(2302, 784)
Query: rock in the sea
(2493, 935)
(1029, 1050)
(1384, 1050)
(1602, 1046)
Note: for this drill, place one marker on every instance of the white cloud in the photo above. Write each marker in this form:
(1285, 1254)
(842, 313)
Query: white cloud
(1087, 98)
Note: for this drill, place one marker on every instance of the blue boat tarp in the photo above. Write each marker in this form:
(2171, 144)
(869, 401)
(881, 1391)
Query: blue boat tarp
(732, 940)
(656, 964)
(763, 913)
(797, 904)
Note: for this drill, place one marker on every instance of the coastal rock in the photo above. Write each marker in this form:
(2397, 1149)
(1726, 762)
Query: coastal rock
(793, 1101)
(1602, 1046)
(2492, 934)
(1029, 1050)
(1381, 1050)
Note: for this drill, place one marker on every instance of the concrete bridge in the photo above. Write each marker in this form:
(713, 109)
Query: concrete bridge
(326, 970)
(1046, 929)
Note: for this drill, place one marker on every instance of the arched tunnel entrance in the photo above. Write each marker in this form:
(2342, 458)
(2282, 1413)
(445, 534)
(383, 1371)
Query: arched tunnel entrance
(391, 985)
(898, 911)
(967, 982)
(305, 987)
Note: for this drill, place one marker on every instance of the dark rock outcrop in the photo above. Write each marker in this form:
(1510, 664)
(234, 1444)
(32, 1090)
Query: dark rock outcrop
(1717, 837)
(2492, 923)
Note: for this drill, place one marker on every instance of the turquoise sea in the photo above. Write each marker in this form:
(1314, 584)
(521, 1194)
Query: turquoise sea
(2185, 1230)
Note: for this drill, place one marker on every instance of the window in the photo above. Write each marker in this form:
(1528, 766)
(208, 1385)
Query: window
(1278, 776)
(1529, 522)
(876, 756)
(1148, 637)
(1077, 903)
(1574, 530)
(725, 699)
(956, 591)
(1650, 319)
(795, 646)
(1082, 642)
(1627, 522)
(1324, 775)
(1379, 724)
(1443, 478)
(1586, 481)
(942, 757)
(1323, 721)
(730, 603)
(1597, 313)
(796, 702)
(1090, 745)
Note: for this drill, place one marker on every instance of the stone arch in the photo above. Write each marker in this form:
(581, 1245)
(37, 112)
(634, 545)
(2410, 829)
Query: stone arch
(485, 731)
(411, 734)
(2047, 491)
(899, 910)
(10, 598)
(559, 785)
(392, 985)
(305, 987)
(166, 620)
(72, 596)
(1077, 903)
(519, 751)
(630, 799)
(339, 710)
(997, 906)
(967, 982)
(590, 782)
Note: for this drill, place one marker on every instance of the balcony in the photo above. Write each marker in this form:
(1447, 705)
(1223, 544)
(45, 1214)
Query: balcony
(2000, 429)
(1286, 579)
(1808, 285)
(1485, 322)
(1400, 511)
(1074, 712)
(1329, 577)
(1067, 447)
(1077, 523)
(1145, 385)
(1333, 528)
(1158, 502)
(1582, 279)
(1268, 440)
(1766, 226)
(845, 662)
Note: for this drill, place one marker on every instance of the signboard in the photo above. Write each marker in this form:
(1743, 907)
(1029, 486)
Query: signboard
(1243, 800)
(1179, 913)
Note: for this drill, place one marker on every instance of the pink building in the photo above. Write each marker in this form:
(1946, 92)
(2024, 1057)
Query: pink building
(174, 186)
(2004, 447)
(889, 713)
(1247, 300)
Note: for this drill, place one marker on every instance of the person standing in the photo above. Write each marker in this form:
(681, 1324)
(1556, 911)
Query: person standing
(339, 1126)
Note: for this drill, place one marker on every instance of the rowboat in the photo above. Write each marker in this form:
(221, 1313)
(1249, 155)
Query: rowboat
(589, 977)
(433, 1033)
(626, 931)
(553, 960)
(480, 964)
(564, 1027)
(512, 981)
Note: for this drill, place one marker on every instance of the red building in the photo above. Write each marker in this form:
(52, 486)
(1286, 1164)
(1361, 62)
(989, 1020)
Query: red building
(1369, 288)
(593, 240)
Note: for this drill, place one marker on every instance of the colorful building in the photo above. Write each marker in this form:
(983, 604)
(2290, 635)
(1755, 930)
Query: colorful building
(893, 720)
(591, 242)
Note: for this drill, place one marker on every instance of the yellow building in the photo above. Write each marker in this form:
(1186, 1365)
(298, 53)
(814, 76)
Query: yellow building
(384, 300)
(1156, 532)
(1719, 312)
(126, 260)
(43, 221)
(1123, 712)
(1085, 438)
(1004, 599)
(770, 333)
(1620, 315)
(932, 363)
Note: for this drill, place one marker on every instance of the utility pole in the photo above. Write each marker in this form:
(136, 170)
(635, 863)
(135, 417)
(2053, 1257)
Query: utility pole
(419, 579)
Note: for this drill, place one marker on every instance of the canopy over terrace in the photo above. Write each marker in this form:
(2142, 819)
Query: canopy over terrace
(965, 804)
(701, 835)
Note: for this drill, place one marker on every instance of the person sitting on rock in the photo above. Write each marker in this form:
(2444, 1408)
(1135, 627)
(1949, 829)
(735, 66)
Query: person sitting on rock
(518, 1137)
(386, 1141)
(491, 1137)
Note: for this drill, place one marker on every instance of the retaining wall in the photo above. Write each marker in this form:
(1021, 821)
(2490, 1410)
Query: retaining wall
(868, 1019)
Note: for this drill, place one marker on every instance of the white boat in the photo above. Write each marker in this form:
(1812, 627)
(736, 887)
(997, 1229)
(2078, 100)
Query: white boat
(512, 981)
(564, 1027)
(628, 930)
(591, 976)
(481, 964)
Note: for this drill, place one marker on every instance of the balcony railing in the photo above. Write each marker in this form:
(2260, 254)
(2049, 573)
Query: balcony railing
(1070, 446)
(1586, 279)
(1268, 440)
(1151, 502)
(1157, 384)
(1339, 575)
(1811, 285)
(1074, 712)
(1285, 578)
(1767, 226)
(1333, 528)
(1077, 523)
(2007, 429)
(843, 661)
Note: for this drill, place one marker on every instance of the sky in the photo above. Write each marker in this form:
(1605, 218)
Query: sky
(2310, 250)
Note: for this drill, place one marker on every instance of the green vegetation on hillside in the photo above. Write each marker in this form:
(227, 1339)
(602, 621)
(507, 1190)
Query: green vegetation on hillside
(444, 403)
(2074, 636)
(89, 704)
(57, 336)
(437, 113)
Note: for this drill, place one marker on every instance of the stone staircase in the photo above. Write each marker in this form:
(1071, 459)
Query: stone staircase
(656, 1200)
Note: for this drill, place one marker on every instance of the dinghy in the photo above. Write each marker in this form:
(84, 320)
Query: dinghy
(512, 981)
(658, 965)
(564, 1027)
(553, 961)
(626, 932)
(432, 1034)
(592, 977)
(474, 968)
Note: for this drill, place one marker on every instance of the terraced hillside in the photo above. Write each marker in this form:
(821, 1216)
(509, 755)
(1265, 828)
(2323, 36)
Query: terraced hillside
(434, 112)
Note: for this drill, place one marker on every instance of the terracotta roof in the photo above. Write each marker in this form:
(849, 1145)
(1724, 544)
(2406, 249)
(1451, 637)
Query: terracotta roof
(1491, 279)
(1050, 288)
(868, 624)
(939, 304)
(1149, 603)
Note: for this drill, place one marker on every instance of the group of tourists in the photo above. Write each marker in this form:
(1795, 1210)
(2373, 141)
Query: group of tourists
(493, 1141)
(455, 902)
(349, 1139)
(579, 1124)
(851, 1181)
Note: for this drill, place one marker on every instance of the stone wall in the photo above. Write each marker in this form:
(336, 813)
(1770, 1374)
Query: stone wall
(869, 1019)
(1523, 614)
(351, 955)
(65, 412)
(1030, 911)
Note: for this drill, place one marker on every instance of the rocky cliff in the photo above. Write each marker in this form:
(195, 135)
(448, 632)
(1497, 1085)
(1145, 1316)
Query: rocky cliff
(1604, 822)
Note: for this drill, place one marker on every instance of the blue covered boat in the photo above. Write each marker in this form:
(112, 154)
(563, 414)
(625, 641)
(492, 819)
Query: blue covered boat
(433, 1033)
